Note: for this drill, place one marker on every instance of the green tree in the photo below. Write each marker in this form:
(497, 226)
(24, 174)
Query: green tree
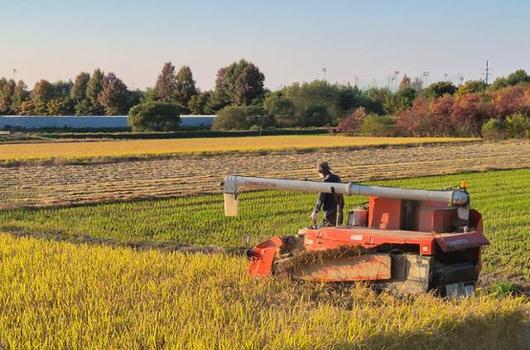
(166, 84)
(406, 83)
(27, 108)
(134, 97)
(60, 105)
(221, 96)
(240, 83)
(378, 125)
(518, 77)
(248, 85)
(154, 116)
(321, 93)
(381, 100)
(94, 88)
(114, 97)
(494, 129)
(149, 95)
(78, 94)
(470, 87)
(199, 103)
(349, 99)
(232, 118)
(84, 107)
(185, 87)
(20, 95)
(499, 83)
(404, 98)
(7, 91)
(281, 109)
(62, 88)
(417, 84)
(315, 115)
(79, 89)
(41, 95)
(439, 89)
(518, 126)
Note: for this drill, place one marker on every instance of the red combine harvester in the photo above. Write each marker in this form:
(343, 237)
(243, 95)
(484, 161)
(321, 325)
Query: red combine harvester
(404, 240)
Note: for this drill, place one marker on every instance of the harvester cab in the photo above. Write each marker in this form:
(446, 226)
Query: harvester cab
(404, 240)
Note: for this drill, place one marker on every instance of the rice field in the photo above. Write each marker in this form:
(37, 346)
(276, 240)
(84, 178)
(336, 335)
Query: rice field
(57, 295)
(134, 148)
(67, 184)
(69, 279)
(501, 196)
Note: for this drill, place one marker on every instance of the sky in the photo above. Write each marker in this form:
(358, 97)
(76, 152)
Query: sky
(289, 40)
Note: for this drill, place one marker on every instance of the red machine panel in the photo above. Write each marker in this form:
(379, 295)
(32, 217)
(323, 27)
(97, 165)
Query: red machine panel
(385, 213)
(435, 219)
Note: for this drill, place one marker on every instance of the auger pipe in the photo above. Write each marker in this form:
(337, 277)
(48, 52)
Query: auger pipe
(233, 184)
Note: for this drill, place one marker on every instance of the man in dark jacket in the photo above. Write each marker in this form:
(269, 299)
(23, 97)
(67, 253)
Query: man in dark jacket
(331, 203)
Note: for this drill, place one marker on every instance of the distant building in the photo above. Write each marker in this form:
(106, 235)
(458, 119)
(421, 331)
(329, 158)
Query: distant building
(90, 122)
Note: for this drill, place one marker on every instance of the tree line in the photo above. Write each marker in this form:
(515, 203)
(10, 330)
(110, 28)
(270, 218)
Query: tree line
(241, 101)
(89, 94)
(474, 108)
(240, 83)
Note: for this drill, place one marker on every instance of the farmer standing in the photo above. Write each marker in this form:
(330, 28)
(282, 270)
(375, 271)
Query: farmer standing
(331, 203)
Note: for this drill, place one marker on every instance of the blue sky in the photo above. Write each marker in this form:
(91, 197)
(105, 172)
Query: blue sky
(289, 40)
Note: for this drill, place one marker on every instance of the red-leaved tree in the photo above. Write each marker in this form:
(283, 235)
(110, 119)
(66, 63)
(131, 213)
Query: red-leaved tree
(350, 124)
(469, 113)
(417, 120)
(441, 110)
(510, 100)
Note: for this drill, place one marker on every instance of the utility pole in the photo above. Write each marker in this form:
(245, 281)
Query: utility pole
(460, 78)
(14, 74)
(395, 77)
(487, 72)
(425, 77)
(325, 73)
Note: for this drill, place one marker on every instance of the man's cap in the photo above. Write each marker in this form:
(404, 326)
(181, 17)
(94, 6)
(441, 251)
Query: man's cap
(323, 167)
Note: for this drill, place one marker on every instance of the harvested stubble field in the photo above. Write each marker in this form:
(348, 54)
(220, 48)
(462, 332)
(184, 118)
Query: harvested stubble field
(137, 148)
(501, 196)
(49, 185)
(59, 295)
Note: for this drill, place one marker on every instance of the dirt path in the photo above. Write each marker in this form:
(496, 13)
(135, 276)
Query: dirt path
(75, 184)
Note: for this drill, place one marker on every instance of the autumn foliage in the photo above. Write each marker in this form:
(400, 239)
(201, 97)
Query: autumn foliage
(352, 123)
(462, 115)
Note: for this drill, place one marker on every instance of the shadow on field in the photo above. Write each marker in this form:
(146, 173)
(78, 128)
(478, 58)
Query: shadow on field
(491, 331)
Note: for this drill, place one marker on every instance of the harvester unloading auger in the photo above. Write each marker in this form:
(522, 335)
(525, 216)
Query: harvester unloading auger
(406, 240)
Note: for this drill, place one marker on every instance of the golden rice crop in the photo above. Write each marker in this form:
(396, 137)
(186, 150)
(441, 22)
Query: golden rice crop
(129, 148)
(59, 295)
